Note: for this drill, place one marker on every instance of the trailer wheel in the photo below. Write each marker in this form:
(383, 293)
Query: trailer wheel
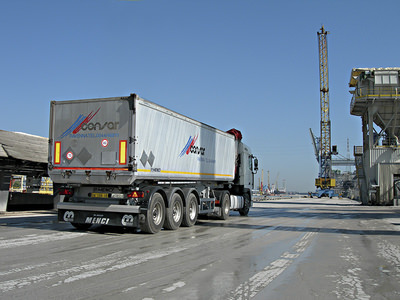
(155, 216)
(174, 215)
(246, 206)
(225, 206)
(191, 211)
(81, 226)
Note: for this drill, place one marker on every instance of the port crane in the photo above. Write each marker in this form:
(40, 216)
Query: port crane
(324, 183)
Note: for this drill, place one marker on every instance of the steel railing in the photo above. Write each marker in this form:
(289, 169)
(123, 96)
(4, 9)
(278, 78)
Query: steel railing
(375, 92)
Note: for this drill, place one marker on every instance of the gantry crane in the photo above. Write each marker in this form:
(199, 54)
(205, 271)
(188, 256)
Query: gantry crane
(324, 181)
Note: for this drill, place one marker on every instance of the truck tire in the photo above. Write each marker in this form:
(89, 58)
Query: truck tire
(244, 211)
(191, 211)
(225, 205)
(174, 215)
(80, 226)
(155, 215)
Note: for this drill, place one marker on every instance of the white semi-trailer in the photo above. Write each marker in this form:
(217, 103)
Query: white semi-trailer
(126, 161)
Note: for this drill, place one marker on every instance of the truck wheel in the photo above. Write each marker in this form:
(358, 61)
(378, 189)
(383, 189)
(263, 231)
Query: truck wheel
(81, 226)
(191, 211)
(246, 206)
(155, 215)
(225, 206)
(173, 218)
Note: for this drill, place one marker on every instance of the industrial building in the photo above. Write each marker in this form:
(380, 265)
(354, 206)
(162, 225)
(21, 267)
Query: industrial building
(23, 156)
(375, 98)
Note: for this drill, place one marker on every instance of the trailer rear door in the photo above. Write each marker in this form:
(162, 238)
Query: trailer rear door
(89, 141)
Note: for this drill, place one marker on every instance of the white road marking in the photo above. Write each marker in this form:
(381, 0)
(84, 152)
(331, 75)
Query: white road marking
(119, 260)
(391, 253)
(260, 280)
(129, 289)
(349, 285)
(176, 285)
(9, 285)
(28, 268)
(124, 263)
(109, 263)
(34, 239)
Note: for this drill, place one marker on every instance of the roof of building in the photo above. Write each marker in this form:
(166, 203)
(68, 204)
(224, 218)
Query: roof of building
(23, 146)
(355, 72)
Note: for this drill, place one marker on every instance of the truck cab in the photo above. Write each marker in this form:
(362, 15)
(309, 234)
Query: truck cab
(248, 167)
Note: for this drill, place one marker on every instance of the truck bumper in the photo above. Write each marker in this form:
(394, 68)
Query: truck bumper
(114, 215)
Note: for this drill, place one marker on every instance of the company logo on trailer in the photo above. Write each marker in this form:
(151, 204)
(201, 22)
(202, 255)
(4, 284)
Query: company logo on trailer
(191, 148)
(79, 123)
(83, 123)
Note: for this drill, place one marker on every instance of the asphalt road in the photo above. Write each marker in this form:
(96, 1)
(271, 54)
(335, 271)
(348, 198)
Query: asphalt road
(285, 249)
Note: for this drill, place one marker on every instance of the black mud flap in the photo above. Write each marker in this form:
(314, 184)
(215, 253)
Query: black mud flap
(99, 218)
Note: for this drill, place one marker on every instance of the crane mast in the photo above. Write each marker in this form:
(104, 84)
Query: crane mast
(324, 181)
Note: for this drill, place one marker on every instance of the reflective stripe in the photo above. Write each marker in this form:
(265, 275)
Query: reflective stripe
(187, 173)
(122, 152)
(57, 153)
(91, 168)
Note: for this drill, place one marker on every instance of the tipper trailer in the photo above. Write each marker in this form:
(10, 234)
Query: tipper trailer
(126, 161)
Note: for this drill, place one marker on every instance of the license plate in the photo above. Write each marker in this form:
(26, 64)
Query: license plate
(117, 196)
(99, 195)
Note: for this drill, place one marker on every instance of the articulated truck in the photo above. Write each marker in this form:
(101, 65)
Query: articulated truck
(126, 161)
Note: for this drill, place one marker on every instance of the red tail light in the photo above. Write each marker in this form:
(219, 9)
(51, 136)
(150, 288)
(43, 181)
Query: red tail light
(66, 192)
(136, 194)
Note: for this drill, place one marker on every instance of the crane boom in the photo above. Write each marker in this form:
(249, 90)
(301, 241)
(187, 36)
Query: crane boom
(315, 142)
(325, 162)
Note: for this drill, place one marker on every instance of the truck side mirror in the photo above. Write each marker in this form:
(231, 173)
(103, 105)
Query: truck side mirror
(255, 164)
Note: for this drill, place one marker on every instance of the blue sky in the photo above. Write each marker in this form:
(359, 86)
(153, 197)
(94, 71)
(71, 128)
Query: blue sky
(251, 65)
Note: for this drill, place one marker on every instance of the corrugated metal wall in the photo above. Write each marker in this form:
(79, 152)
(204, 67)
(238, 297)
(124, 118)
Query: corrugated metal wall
(384, 163)
(386, 182)
(383, 155)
